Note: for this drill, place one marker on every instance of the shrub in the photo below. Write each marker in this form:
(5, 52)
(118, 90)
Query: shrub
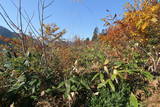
(108, 98)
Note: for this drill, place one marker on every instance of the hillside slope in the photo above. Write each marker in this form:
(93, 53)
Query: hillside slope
(7, 33)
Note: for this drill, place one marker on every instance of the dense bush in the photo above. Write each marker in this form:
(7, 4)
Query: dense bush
(108, 98)
(90, 70)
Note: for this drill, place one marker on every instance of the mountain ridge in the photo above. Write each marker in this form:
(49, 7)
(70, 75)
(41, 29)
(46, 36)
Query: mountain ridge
(6, 33)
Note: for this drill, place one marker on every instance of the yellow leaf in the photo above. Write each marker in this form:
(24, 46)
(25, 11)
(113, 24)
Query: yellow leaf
(106, 61)
(144, 26)
(154, 20)
(139, 23)
(155, 8)
(103, 19)
(125, 13)
(105, 65)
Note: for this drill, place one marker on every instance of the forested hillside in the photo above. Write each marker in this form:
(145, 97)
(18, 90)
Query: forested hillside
(6, 33)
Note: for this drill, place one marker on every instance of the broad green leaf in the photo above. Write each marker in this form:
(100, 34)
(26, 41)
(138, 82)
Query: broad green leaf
(74, 80)
(95, 76)
(147, 75)
(16, 86)
(113, 77)
(33, 82)
(21, 78)
(49, 90)
(8, 65)
(102, 77)
(133, 100)
(68, 88)
(74, 88)
(34, 97)
(33, 89)
(83, 82)
(103, 84)
(111, 85)
(61, 84)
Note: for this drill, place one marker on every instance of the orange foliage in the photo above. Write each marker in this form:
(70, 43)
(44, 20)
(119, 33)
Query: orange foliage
(140, 23)
(116, 35)
(14, 41)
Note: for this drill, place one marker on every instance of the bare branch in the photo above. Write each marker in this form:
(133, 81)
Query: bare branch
(58, 35)
(45, 18)
(29, 23)
(40, 14)
(7, 16)
(7, 22)
(20, 15)
(49, 4)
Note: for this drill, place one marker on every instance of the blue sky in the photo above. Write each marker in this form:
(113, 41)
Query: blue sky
(78, 18)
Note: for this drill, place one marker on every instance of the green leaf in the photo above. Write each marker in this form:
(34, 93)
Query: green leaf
(74, 80)
(33, 89)
(34, 97)
(49, 90)
(16, 87)
(85, 84)
(102, 77)
(133, 100)
(113, 77)
(33, 82)
(147, 75)
(21, 78)
(103, 84)
(8, 65)
(74, 88)
(111, 85)
(117, 64)
(95, 76)
(61, 84)
(68, 88)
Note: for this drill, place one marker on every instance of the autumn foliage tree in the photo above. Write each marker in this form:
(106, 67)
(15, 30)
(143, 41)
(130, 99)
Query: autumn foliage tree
(141, 22)
(144, 23)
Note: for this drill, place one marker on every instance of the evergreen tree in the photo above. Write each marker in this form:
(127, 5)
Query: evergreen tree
(87, 39)
(103, 32)
(95, 34)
